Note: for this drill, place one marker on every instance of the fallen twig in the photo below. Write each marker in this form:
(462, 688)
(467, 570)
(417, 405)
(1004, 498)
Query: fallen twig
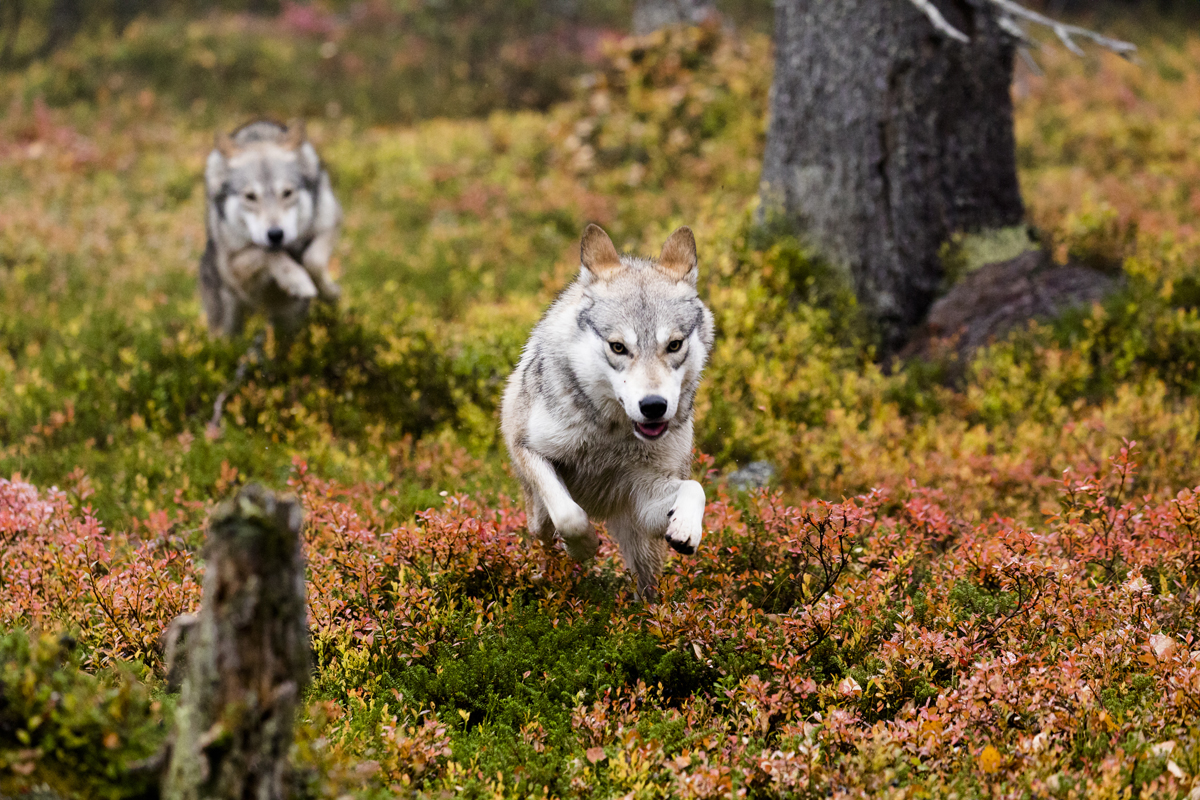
(253, 355)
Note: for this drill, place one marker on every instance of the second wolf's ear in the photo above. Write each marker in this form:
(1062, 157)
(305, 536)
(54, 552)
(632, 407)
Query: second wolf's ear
(597, 253)
(216, 168)
(295, 134)
(296, 138)
(310, 162)
(678, 258)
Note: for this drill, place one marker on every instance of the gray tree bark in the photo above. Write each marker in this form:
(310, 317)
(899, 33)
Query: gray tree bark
(247, 656)
(650, 15)
(885, 137)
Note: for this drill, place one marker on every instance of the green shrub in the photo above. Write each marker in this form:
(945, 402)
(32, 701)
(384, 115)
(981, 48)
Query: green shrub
(83, 735)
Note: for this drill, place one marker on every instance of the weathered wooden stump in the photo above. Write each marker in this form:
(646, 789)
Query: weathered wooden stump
(247, 656)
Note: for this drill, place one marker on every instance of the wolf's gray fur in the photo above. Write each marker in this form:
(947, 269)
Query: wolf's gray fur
(272, 223)
(597, 415)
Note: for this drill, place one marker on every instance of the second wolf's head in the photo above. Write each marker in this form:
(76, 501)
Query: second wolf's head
(262, 184)
(646, 333)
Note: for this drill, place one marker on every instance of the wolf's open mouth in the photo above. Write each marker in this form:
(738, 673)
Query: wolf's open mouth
(651, 430)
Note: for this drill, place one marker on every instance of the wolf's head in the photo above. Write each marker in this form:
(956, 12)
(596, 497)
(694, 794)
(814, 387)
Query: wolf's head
(647, 335)
(262, 182)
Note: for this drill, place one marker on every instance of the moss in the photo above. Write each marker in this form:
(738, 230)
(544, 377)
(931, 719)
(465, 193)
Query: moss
(967, 252)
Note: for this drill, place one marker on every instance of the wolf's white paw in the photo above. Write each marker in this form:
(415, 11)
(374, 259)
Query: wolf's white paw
(687, 519)
(579, 540)
(582, 548)
(293, 280)
(570, 521)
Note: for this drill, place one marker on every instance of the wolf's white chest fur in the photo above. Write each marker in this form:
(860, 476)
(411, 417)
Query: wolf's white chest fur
(605, 467)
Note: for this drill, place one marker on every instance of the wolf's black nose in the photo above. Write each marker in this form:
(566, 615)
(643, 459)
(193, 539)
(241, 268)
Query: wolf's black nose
(652, 406)
(275, 236)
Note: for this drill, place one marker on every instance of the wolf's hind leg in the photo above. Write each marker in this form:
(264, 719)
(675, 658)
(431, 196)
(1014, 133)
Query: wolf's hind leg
(214, 308)
(224, 310)
(537, 518)
(210, 289)
(569, 520)
(228, 316)
(287, 316)
(643, 555)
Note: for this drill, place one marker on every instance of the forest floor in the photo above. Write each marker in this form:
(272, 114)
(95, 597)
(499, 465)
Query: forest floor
(975, 576)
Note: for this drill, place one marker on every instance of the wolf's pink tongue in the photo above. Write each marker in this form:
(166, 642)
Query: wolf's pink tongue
(651, 429)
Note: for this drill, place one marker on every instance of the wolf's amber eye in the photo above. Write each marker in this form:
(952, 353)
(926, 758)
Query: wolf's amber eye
(618, 348)
(287, 193)
(251, 196)
(674, 345)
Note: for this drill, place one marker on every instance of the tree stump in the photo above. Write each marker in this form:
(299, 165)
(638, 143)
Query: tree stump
(247, 656)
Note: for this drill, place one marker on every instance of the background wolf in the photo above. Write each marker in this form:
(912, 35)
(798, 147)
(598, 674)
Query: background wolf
(272, 223)
(597, 415)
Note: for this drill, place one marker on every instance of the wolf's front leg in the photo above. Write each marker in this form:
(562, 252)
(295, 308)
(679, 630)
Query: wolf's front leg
(228, 315)
(674, 509)
(316, 263)
(554, 501)
(687, 518)
(290, 276)
(222, 308)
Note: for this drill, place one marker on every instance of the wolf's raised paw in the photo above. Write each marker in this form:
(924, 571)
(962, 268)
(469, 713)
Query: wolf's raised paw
(682, 540)
(293, 280)
(686, 525)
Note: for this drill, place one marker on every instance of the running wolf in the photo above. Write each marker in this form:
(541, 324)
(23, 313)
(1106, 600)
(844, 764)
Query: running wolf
(272, 222)
(597, 415)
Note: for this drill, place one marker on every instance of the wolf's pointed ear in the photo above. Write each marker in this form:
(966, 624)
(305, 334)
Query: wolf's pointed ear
(597, 253)
(224, 144)
(678, 258)
(216, 166)
(294, 135)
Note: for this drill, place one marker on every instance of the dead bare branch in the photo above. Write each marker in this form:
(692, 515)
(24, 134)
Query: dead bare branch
(1030, 63)
(927, 8)
(1065, 32)
(1010, 26)
(1010, 12)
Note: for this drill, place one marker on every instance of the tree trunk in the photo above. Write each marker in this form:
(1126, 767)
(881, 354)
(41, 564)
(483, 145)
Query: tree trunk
(66, 18)
(886, 137)
(650, 15)
(10, 23)
(246, 656)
